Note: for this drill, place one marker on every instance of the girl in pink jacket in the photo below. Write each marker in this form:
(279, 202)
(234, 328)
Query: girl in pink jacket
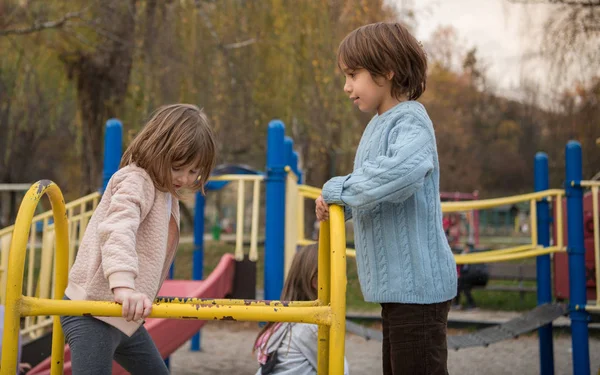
(132, 238)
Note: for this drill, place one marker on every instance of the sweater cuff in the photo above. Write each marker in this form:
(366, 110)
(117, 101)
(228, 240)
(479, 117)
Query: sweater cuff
(332, 190)
(121, 279)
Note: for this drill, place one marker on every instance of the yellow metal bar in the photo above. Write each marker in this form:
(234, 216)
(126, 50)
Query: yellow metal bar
(300, 217)
(14, 297)
(31, 262)
(596, 239)
(490, 203)
(253, 255)
(314, 315)
(338, 290)
(37, 327)
(239, 235)
(508, 250)
(533, 222)
(595, 309)
(5, 241)
(590, 183)
(238, 177)
(309, 191)
(471, 259)
(291, 217)
(559, 220)
(236, 302)
(324, 293)
(94, 197)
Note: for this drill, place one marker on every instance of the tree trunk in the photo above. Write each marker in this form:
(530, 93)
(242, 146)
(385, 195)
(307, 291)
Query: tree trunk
(102, 77)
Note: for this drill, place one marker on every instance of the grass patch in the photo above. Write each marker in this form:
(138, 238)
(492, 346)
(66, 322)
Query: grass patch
(505, 301)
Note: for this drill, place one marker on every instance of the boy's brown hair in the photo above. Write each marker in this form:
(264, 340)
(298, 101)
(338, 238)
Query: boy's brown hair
(176, 135)
(381, 48)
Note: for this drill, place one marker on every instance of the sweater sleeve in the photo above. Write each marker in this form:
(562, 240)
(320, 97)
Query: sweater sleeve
(392, 177)
(131, 200)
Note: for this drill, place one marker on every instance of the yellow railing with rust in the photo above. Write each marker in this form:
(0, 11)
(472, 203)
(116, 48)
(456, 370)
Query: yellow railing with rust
(79, 212)
(501, 255)
(40, 283)
(328, 311)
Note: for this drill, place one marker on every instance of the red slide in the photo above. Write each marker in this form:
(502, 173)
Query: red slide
(170, 334)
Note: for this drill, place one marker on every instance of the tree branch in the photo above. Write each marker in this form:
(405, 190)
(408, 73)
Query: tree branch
(43, 25)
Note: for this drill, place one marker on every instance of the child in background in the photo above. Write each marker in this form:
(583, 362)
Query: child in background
(404, 260)
(291, 348)
(132, 238)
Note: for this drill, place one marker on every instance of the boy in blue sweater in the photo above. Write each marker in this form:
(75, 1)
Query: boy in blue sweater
(404, 261)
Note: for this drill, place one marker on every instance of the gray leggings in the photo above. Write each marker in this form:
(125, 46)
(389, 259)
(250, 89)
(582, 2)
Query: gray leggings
(94, 344)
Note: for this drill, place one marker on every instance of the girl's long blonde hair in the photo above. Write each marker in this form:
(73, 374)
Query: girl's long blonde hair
(176, 135)
(299, 285)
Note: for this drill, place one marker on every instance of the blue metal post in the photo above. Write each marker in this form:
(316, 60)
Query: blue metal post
(198, 258)
(576, 251)
(113, 149)
(288, 145)
(295, 166)
(275, 210)
(544, 275)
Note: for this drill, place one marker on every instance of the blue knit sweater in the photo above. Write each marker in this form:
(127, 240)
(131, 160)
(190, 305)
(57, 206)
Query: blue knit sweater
(393, 196)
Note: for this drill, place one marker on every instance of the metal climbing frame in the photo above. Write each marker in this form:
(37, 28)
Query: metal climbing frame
(328, 311)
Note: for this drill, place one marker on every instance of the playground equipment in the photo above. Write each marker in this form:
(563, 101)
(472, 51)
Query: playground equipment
(539, 247)
(328, 311)
(285, 228)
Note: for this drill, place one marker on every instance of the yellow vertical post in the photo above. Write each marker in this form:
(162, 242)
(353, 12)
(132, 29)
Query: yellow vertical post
(324, 294)
(239, 235)
(4, 252)
(533, 222)
(61, 267)
(253, 254)
(338, 290)
(596, 239)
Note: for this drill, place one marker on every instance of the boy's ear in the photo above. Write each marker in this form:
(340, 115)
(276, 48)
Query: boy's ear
(389, 76)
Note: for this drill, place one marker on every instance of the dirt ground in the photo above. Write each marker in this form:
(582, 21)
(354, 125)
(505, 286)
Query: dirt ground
(226, 349)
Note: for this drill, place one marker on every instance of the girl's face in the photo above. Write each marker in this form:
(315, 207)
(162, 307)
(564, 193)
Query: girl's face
(184, 176)
(369, 94)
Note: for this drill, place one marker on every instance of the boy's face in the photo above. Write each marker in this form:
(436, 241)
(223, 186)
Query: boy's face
(369, 94)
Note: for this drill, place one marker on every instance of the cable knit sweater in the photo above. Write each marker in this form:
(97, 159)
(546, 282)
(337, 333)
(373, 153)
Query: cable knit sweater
(393, 196)
(129, 242)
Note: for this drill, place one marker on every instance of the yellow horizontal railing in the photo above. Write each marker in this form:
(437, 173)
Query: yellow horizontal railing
(482, 204)
(328, 311)
(498, 255)
(483, 258)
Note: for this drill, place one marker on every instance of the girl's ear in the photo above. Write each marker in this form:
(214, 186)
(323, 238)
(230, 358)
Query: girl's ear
(389, 76)
(315, 283)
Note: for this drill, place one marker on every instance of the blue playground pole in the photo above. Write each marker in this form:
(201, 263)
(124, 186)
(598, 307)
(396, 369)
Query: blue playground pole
(576, 251)
(288, 145)
(275, 210)
(113, 148)
(294, 166)
(544, 275)
(197, 271)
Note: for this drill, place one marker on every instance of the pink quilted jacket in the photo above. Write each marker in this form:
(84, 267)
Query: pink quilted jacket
(130, 241)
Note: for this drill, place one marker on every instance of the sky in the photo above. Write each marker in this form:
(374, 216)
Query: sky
(502, 31)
